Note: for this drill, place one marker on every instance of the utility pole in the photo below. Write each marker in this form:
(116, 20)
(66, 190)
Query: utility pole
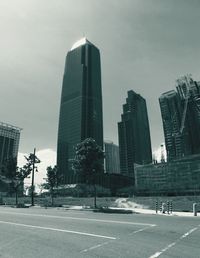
(32, 184)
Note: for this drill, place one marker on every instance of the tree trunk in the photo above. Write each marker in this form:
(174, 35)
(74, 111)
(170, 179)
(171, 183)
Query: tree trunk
(95, 196)
(52, 198)
(16, 197)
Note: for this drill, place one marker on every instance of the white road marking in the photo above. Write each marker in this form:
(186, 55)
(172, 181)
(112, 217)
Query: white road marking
(94, 247)
(58, 230)
(188, 233)
(157, 254)
(83, 219)
(105, 243)
(140, 230)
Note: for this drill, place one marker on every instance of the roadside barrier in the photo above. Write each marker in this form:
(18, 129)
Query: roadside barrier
(156, 206)
(170, 207)
(195, 209)
(160, 206)
(163, 207)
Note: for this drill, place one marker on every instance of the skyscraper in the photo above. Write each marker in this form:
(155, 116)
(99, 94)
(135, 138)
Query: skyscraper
(134, 134)
(9, 141)
(9, 144)
(171, 115)
(180, 111)
(111, 158)
(81, 104)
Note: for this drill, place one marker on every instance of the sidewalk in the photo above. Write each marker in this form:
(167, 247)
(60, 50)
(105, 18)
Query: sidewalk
(174, 213)
(135, 207)
(134, 210)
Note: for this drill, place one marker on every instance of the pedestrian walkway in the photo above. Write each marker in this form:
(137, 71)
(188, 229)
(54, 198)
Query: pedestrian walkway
(123, 203)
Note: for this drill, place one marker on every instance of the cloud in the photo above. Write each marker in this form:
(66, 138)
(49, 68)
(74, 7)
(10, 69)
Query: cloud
(47, 158)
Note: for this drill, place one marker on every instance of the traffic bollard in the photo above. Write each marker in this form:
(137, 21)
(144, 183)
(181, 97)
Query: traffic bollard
(160, 208)
(168, 207)
(195, 209)
(171, 207)
(156, 206)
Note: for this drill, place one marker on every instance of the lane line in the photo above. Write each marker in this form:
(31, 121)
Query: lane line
(105, 243)
(140, 230)
(83, 219)
(94, 247)
(157, 254)
(188, 233)
(57, 229)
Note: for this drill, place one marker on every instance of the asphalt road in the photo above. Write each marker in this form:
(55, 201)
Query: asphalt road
(38, 232)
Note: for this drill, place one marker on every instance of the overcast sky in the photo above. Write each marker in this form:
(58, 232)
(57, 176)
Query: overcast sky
(144, 45)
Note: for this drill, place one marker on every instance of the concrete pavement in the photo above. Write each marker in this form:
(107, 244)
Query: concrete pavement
(39, 232)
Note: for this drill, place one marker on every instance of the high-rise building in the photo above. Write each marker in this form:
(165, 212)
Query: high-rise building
(9, 141)
(111, 158)
(81, 104)
(9, 144)
(180, 111)
(134, 134)
(171, 115)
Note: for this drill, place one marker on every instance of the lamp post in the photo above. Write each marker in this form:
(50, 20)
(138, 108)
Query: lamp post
(34, 160)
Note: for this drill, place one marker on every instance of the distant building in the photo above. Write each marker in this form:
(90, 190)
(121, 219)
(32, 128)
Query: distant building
(134, 134)
(171, 116)
(180, 113)
(9, 144)
(111, 158)
(177, 177)
(9, 141)
(81, 104)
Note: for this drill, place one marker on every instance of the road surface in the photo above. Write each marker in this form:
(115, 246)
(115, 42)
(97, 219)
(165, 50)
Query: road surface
(38, 232)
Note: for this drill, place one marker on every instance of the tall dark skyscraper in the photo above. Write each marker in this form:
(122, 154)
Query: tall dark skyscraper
(134, 134)
(180, 112)
(81, 103)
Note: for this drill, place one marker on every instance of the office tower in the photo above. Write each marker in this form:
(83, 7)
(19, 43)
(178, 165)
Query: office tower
(189, 92)
(134, 134)
(111, 158)
(180, 111)
(171, 115)
(9, 144)
(81, 104)
(9, 141)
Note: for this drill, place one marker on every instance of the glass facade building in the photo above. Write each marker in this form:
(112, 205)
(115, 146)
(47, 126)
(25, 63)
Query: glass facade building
(9, 144)
(180, 111)
(171, 111)
(134, 134)
(111, 158)
(81, 104)
(177, 177)
(9, 141)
